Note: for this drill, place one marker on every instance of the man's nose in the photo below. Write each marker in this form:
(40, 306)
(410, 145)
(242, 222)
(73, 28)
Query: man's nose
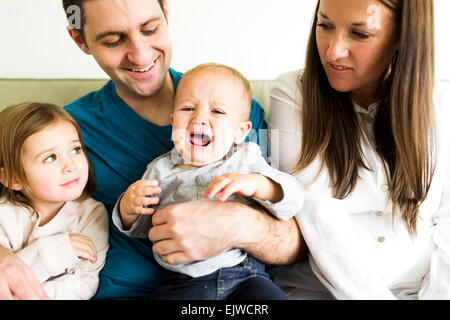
(138, 51)
(338, 48)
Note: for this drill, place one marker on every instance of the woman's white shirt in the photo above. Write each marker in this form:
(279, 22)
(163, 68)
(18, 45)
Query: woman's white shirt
(358, 250)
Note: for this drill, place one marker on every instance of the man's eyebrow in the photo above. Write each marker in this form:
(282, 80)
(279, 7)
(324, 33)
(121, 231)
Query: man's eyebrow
(354, 24)
(120, 33)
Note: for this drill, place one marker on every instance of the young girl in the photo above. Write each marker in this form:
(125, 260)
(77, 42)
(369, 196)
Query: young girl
(46, 216)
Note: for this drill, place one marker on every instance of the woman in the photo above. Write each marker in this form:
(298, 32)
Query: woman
(371, 148)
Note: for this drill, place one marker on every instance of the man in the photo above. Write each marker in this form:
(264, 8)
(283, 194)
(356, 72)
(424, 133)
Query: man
(125, 125)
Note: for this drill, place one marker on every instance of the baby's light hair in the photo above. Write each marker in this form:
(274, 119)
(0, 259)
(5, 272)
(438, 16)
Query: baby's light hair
(229, 70)
(17, 123)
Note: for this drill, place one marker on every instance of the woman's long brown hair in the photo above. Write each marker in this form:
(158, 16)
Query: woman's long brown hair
(404, 125)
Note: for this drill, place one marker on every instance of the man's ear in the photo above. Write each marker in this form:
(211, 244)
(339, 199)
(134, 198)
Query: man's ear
(243, 131)
(15, 185)
(76, 36)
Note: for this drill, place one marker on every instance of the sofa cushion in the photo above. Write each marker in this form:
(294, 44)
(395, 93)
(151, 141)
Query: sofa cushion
(64, 91)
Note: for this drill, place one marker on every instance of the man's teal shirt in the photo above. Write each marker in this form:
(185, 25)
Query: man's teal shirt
(120, 145)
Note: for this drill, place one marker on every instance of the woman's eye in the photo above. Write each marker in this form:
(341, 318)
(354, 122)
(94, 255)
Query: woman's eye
(50, 159)
(360, 35)
(324, 26)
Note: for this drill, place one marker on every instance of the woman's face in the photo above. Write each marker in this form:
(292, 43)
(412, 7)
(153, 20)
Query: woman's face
(356, 40)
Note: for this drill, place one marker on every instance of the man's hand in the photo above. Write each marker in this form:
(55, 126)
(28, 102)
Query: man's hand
(198, 230)
(17, 281)
(136, 200)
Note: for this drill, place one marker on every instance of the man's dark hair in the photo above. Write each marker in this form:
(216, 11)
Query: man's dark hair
(79, 3)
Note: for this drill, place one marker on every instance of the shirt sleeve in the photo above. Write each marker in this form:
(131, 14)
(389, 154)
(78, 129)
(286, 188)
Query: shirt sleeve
(285, 132)
(49, 256)
(80, 281)
(293, 193)
(436, 284)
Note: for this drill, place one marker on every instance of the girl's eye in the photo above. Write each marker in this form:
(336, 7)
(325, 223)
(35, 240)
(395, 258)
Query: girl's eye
(76, 150)
(218, 111)
(50, 159)
(187, 109)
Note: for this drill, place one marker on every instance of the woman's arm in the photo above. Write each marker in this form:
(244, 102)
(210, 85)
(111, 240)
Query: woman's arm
(436, 284)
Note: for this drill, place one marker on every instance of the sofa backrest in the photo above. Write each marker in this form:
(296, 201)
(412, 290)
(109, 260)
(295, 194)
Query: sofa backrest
(64, 91)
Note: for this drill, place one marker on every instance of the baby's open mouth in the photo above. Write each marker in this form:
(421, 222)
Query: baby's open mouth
(200, 140)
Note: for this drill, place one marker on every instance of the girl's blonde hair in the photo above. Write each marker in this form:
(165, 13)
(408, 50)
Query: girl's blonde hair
(17, 123)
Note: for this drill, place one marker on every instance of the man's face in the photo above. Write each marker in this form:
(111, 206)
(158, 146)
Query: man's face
(130, 41)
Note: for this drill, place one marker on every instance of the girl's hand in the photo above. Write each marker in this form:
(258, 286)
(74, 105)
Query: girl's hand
(83, 247)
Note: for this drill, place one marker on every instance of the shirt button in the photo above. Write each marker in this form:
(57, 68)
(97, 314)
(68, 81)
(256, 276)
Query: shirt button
(385, 187)
(381, 239)
(379, 213)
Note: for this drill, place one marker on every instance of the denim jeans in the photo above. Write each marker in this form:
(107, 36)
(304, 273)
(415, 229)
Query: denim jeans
(245, 281)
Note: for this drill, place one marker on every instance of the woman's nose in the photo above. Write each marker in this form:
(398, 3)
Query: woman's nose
(338, 48)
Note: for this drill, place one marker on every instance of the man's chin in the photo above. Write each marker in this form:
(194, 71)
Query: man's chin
(142, 90)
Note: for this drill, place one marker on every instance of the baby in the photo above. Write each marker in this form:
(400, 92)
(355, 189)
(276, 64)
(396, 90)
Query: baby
(210, 122)
(47, 217)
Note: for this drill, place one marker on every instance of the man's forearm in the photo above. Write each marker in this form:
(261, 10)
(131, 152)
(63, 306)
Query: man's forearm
(269, 239)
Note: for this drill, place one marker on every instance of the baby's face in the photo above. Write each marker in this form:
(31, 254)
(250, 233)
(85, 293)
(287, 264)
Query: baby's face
(210, 114)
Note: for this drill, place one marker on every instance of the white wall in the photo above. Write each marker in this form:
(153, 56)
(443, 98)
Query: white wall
(261, 38)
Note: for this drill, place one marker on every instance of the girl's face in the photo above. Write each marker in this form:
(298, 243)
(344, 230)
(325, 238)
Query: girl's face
(55, 166)
(356, 40)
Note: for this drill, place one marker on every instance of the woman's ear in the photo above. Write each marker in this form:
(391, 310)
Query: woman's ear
(242, 132)
(166, 10)
(15, 185)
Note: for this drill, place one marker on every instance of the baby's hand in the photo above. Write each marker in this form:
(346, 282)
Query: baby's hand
(83, 246)
(224, 186)
(136, 200)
